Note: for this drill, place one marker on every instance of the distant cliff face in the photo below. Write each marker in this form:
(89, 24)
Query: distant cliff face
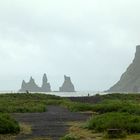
(33, 87)
(67, 85)
(130, 80)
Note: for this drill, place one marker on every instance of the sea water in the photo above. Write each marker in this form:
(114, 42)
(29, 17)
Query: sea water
(65, 94)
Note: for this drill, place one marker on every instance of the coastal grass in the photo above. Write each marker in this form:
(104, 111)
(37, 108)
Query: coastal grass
(7, 137)
(13, 137)
(77, 131)
(8, 125)
(40, 138)
(122, 96)
(114, 111)
(25, 128)
(22, 102)
(106, 106)
(121, 111)
(128, 103)
(76, 106)
(115, 120)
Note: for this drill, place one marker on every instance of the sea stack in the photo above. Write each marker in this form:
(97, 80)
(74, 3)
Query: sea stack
(130, 80)
(45, 85)
(67, 85)
(31, 86)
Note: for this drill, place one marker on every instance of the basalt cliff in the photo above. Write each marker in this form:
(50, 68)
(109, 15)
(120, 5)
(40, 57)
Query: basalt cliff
(130, 80)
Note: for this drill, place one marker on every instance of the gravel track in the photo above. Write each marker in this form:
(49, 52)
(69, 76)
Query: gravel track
(53, 123)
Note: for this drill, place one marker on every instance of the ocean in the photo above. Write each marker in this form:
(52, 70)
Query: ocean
(65, 94)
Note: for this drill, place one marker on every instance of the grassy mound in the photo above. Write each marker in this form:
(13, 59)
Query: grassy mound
(8, 125)
(122, 121)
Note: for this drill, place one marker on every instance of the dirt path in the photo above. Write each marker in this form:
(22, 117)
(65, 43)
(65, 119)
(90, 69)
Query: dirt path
(52, 123)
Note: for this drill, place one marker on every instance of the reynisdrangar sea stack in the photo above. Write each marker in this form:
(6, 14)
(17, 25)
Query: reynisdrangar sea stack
(33, 87)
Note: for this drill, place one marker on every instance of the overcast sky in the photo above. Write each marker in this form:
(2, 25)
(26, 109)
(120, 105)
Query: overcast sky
(93, 41)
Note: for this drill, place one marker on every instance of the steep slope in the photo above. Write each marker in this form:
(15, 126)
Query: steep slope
(130, 80)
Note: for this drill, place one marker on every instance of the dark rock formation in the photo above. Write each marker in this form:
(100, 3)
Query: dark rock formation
(45, 85)
(130, 80)
(67, 85)
(31, 86)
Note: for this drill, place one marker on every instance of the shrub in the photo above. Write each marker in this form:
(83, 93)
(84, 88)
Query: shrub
(8, 124)
(123, 121)
(117, 106)
(115, 134)
(107, 106)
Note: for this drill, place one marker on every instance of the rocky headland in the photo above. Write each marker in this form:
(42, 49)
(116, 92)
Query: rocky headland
(130, 80)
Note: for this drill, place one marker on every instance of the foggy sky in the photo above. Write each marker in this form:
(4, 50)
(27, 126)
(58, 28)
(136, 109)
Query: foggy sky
(93, 41)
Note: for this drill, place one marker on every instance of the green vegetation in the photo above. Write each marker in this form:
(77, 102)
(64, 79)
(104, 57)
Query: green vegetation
(69, 137)
(75, 106)
(25, 128)
(8, 124)
(43, 138)
(117, 133)
(123, 97)
(78, 132)
(123, 121)
(10, 103)
(114, 111)
(119, 112)
(21, 103)
(108, 103)
(117, 106)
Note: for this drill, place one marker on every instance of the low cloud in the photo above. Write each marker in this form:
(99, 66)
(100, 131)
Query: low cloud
(93, 41)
